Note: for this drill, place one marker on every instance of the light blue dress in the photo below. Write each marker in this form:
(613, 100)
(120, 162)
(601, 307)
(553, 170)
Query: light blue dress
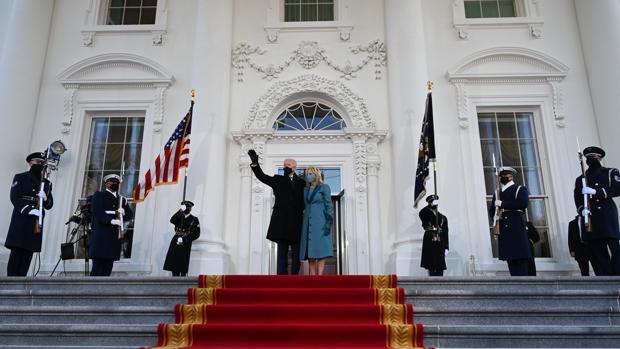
(316, 232)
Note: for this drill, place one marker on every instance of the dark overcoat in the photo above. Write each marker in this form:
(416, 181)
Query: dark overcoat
(513, 242)
(575, 243)
(434, 243)
(287, 214)
(604, 213)
(24, 190)
(188, 228)
(104, 241)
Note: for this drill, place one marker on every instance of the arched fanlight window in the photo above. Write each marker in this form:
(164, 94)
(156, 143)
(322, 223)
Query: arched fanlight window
(307, 116)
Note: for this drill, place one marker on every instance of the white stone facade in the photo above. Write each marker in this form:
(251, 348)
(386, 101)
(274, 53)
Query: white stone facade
(59, 66)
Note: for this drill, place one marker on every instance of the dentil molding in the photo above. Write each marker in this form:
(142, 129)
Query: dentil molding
(114, 71)
(309, 54)
(523, 66)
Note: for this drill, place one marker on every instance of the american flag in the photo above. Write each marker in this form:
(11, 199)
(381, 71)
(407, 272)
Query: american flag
(175, 156)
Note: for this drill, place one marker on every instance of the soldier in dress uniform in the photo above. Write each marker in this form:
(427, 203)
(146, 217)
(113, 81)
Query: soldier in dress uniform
(24, 236)
(186, 230)
(578, 248)
(105, 242)
(435, 244)
(513, 243)
(603, 184)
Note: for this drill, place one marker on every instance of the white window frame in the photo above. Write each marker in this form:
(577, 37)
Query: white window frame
(528, 16)
(542, 155)
(276, 24)
(95, 24)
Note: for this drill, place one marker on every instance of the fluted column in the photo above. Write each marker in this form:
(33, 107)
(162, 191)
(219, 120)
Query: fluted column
(407, 76)
(211, 76)
(23, 46)
(374, 209)
(599, 26)
(245, 209)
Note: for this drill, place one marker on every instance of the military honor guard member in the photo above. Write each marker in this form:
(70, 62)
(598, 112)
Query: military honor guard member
(435, 244)
(106, 236)
(25, 235)
(513, 243)
(287, 215)
(186, 230)
(602, 185)
(577, 247)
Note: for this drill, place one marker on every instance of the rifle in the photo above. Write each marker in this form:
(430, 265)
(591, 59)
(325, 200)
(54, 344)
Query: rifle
(121, 230)
(38, 227)
(497, 216)
(584, 183)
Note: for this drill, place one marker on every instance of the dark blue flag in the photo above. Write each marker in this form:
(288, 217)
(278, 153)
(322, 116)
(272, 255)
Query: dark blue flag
(426, 151)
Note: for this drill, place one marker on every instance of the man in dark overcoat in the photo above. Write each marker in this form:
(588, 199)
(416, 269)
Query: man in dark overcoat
(105, 240)
(186, 230)
(24, 237)
(287, 215)
(602, 185)
(435, 243)
(513, 243)
(578, 248)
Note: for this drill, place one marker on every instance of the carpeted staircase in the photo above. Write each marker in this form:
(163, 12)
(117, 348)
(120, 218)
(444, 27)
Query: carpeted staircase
(269, 312)
(476, 312)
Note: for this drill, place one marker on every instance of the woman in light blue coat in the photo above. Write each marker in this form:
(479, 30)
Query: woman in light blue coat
(316, 233)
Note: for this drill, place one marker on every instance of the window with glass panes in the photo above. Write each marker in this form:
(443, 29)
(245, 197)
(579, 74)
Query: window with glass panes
(126, 12)
(307, 116)
(308, 10)
(511, 138)
(114, 142)
(490, 8)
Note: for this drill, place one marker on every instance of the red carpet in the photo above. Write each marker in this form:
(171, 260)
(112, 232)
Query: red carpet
(251, 311)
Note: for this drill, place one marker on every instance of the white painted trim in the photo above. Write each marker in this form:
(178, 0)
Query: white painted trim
(95, 17)
(528, 16)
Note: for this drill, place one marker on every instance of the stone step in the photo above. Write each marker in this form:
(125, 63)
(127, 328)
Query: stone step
(130, 315)
(82, 335)
(447, 336)
(506, 283)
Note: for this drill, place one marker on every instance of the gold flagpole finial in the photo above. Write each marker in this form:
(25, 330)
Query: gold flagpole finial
(429, 86)
(193, 93)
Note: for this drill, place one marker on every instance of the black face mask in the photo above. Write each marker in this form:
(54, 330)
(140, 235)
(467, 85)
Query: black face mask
(593, 163)
(114, 186)
(287, 171)
(37, 170)
(504, 180)
(187, 210)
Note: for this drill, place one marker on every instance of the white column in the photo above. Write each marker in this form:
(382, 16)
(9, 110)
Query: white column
(22, 57)
(245, 208)
(407, 76)
(374, 209)
(211, 73)
(599, 26)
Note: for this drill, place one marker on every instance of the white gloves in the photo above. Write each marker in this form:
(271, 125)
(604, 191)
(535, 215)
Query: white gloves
(445, 253)
(42, 195)
(435, 203)
(585, 212)
(183, 208)
(588, 190)
(121, 211)
(35, 212)
(498, 203)
(116, 222)
(180, 241)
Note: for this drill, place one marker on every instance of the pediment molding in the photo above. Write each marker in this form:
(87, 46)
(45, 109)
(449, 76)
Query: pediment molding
(116, 69)
(525, 64)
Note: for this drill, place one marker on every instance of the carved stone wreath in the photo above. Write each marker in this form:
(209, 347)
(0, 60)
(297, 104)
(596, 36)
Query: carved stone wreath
(309, 55)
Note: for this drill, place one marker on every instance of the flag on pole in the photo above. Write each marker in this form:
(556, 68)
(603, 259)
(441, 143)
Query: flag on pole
(174, 156)
(426, 151)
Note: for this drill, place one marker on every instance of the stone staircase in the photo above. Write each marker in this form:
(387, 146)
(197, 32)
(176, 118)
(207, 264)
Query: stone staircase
(473, 312)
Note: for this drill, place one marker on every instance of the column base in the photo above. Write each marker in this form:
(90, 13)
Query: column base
(405, 259)
(209, 257)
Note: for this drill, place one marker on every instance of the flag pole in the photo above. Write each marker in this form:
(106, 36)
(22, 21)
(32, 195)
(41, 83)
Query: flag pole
(429, 89)
(193, 94)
